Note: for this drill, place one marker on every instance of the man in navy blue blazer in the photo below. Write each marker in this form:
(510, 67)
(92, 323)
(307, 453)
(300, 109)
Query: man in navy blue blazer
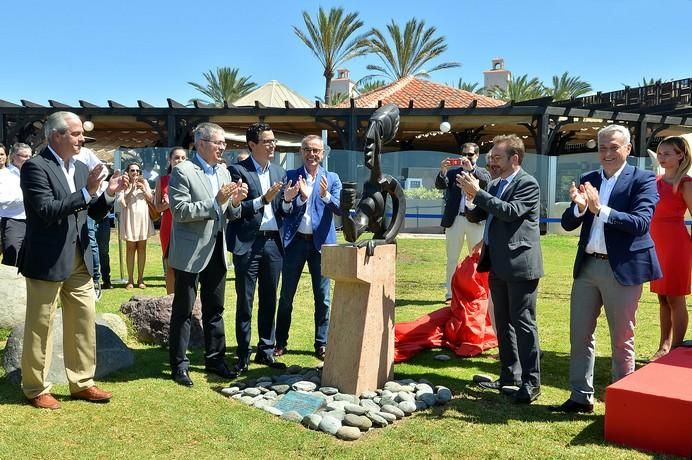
(614, 258)
(255, 242)
(310, 201)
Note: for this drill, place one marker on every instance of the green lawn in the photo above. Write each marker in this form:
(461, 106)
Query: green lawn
(151, 417)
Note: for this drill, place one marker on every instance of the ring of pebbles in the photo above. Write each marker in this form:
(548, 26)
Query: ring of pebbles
(345, 416)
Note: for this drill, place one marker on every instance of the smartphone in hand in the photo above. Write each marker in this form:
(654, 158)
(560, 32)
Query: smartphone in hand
(454, 161)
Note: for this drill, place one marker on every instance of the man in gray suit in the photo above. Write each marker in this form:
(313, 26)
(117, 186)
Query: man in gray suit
(512, 254)
(200, 191)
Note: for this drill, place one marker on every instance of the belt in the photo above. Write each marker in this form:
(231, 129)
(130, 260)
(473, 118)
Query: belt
(598, 255)
(304, 236)
(268, 233)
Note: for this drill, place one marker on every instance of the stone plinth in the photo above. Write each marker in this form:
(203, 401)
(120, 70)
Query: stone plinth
(360, 350)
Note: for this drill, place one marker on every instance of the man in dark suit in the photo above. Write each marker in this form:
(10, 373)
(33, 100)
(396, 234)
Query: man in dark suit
(614, 257)
(56, 260)
(512, 254)
(458, 222)
(256, 245)
(202, 200)
(309, 224)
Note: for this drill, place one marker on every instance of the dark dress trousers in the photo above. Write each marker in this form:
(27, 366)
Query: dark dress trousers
(257, 260)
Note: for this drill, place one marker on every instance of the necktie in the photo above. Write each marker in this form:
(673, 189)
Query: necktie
(498, 193)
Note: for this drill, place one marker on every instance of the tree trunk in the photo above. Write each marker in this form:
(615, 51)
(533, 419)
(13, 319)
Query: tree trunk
(327, 88)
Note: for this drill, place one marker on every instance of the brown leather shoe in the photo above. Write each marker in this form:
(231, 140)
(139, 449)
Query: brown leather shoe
(93, 394)
(279, 351)
(45, 401)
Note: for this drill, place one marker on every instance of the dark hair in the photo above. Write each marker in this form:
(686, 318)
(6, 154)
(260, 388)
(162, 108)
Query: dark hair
(134, 162)
(2, 146)
(170, 155)
(253, 132)
(473, 145)
(513, 145)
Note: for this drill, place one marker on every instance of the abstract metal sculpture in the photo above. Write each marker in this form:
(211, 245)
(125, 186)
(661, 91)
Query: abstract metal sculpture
(370, 210)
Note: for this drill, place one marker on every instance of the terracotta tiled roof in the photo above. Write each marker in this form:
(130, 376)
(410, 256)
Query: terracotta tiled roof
(424, 93)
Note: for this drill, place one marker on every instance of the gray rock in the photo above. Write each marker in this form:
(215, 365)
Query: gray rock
(237, 396)
(423, 388)
(304, 385)
(370, 405)
(292, 416)
(329, 391)
(428, 399)
(270, 395)
(411, 388)
(377, 420)
(150, 318)
(354, 409)
(113, 322)
(353, 399)
(252, 392)
(264, 378)
(280, 388)
(337, 414)
(348, 433)
(444, 394)
(377, 400)
(359, 421)
(273, 410)
(406, 382)
(442, 357)
(329, 424)
(317, 380)
(478, 378)
(337, 405)
(249, 400)
(312, 421)
(390, 418)
(12, 297)
(407, 407)
(388, 402)
(392, 386)
(230, 391)
(260, 403)
(111, 353)
(368, 395)
(404, 396)
(421, 405)
(294, 369)
(388, 394)
(394, 410)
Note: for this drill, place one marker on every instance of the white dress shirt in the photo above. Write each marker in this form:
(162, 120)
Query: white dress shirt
(268, 218)
(11, 198)
(69, 174)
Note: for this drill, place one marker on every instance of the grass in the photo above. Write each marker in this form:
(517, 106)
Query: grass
(151, 417)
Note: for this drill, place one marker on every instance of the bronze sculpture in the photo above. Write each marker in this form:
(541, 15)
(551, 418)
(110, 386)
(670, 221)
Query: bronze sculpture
(370, 211)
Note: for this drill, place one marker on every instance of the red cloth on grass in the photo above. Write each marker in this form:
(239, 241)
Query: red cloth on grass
(464, 326)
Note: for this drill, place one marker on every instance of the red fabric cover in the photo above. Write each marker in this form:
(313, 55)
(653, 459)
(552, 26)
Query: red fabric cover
(464, 327)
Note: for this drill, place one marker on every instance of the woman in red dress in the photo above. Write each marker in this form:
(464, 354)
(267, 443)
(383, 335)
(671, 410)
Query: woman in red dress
(672, 240)
(175, 155)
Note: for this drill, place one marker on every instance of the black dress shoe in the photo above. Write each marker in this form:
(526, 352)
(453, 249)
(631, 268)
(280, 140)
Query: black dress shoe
(279, 351)
(240, 367)
(572, 407)
(526, 394)
(268, 360)
(181, 377)
(221, 370)
(496, 385)
(321, 352)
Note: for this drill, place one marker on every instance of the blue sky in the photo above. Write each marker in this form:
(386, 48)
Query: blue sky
(129, 50)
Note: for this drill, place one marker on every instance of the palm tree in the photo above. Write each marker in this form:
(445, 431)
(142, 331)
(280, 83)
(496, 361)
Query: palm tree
(224, 85)
(333, 40)
(470, 87)
(408, 52)
(566, 87)
(519, 89)
(368, 85)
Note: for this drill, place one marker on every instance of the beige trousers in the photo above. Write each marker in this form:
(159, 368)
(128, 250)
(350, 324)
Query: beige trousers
(77, 299)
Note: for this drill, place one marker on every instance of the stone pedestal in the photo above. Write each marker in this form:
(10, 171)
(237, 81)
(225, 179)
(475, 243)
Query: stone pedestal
(360, 347)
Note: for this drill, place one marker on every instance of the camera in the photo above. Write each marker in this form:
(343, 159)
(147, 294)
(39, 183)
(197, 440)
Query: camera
(454, 161)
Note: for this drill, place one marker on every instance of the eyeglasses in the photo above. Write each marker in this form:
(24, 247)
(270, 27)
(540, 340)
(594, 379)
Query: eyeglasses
(269, 142)
(134, 171)
(216, 143)
(313, 151)
(468, 155)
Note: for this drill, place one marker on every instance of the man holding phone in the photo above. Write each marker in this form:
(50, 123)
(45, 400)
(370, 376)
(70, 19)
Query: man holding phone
(458, 223)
